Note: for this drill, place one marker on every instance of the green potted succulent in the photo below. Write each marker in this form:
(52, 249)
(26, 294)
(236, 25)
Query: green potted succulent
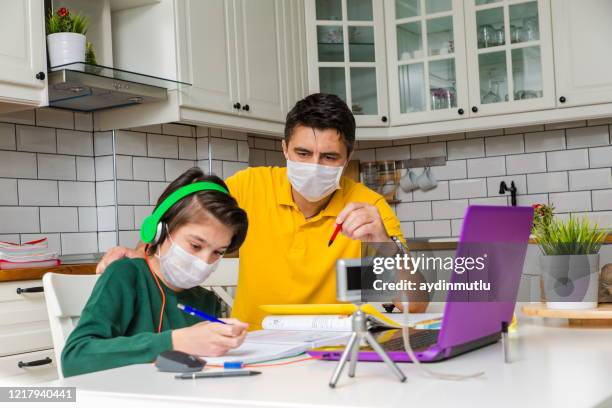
(569, 261)
(66, 42)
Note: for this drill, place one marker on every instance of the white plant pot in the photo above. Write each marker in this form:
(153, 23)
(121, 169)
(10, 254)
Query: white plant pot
(66, 48)
(570, 281)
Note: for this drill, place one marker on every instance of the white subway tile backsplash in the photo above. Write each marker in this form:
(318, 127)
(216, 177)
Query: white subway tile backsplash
(567, 160)
(414, 211)
(428, 150)
(257, 157)
(531, 199)
(187, 148)
(571, 201)
(243, 151)
(590, 179)
(361, 155)
(224, 149)
(55, 118)
(603, 219)
(162, 146)
(24, 117)
(526, 163)
(131, 143)
(410, 140)
(440, 192)
(12, 238)
(17, 164)
(79, 243)
(233, 134)
(77, 193)
(588, 137)
(105, 193)
(125, 168)
(15, 220)
(88, 219)
(202, 131)
(7, 136)
(600, 156)
(449, 208)
(520, 182)
(59, 219)
(129, 238)
(83, 121)
(126, 217)
(56, 167)
(37, 192)
(132, 192)
(202, 148)
(8, 189)
(545, 141)
(547, 182)
(490, 166)
(104, 168)
(440, 228)
(465, 149)
(106, 240)
(85, 169)
(148, 169)
(36, 139)
(106, 218)
(231, 168)
(393, 153)
(523, 129)
(407, 229)
(263, 143)
(272, 159)
(468, 188)
(565, 125)
(501, 200)
(103, 143)
(453, 169)
(441, 138)
(215, 132)
(484, 133)
(502, 145)
(602, 200)
(178, 130)
(75, 142)
(155, 190)
(148, 129)
(140, 213)
(175, 168)
(456, 227)
(369, 144)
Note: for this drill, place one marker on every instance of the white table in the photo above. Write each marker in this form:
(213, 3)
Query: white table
(556, 366)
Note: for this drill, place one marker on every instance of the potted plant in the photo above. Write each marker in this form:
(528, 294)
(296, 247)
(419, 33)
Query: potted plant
(66, 41)
(569, 261)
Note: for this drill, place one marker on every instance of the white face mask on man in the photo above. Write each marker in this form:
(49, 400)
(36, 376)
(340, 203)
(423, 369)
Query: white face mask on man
(184, 270)
(313, 181)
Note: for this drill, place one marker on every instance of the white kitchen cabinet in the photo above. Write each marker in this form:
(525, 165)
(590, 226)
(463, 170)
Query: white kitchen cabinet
(509, 56)
(583, 51)
(28, 368)
(346, 44)
(230, 51)
(426, 58)
(23, 63)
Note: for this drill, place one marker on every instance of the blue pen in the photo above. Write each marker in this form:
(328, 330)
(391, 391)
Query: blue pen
(195, 312)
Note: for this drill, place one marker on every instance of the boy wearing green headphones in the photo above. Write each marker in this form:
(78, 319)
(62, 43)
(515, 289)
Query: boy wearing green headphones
(132, 313)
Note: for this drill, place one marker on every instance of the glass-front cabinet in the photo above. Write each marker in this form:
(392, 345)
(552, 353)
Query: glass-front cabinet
(509, 59)
(349, 61)
(426, 60)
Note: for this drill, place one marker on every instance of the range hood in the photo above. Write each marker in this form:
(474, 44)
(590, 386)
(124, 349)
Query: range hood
(89, 88)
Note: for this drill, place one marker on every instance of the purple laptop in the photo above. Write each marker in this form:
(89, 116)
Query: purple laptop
(469, 320)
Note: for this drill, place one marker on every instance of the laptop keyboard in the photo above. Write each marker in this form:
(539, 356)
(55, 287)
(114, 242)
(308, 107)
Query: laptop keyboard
(419, 340)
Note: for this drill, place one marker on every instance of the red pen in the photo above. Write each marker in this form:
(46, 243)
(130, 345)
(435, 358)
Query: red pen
(333, 237)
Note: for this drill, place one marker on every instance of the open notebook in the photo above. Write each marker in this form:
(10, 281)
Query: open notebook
(289, 335)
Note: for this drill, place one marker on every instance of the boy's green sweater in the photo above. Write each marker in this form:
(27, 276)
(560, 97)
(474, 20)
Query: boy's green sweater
(119, 324)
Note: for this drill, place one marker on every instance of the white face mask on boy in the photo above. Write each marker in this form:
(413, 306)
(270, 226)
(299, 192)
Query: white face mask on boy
(184, 270)
(313, 181)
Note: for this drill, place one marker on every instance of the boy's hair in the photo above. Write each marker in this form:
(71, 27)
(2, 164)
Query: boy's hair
(323, 111)
(205, 203)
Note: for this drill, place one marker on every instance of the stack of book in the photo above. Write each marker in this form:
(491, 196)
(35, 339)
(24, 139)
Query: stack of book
(33, 254)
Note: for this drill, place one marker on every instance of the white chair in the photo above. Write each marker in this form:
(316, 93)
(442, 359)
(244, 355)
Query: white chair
(66, 296)
(224, 280)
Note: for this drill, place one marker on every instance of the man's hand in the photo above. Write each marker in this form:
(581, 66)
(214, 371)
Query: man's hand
(116, 253)
(362, 221)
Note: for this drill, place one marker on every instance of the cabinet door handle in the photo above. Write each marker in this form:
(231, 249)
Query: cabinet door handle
(33, 289)
(41, 75)
(461, 111)
(35, 363)
(246, 108)
(562, 99)
(474, 109)
(237, 105)
(384, 119)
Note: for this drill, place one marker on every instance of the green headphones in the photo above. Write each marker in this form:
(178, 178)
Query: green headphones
(151, 228)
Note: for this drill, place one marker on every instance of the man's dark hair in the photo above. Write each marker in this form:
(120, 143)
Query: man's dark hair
(205, 203)
(322, 111)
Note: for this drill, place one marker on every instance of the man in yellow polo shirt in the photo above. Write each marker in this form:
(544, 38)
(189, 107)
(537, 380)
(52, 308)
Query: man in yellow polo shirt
(293, 211)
